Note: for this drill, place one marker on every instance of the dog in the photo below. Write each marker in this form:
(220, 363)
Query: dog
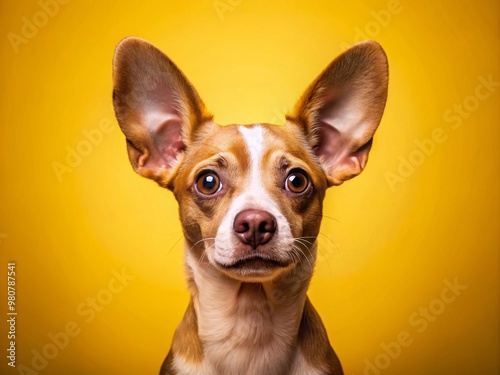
(250, 204)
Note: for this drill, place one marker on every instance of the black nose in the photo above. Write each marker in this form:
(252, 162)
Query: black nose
(254, 227)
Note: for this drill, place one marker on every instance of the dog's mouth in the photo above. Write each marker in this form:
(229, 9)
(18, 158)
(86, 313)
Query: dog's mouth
(254, 265)
(256, 262)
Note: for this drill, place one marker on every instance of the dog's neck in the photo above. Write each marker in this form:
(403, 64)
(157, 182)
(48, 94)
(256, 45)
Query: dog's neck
(247, 320)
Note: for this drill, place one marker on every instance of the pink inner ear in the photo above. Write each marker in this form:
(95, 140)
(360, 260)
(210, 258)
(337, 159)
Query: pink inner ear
(343, 128)
(341, 157)
(330, 144)
(167, 139)
(335, 127)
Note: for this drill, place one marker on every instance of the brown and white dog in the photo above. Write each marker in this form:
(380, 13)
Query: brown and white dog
(250, 203)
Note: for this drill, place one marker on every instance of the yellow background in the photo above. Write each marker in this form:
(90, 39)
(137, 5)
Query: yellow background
(385, 251)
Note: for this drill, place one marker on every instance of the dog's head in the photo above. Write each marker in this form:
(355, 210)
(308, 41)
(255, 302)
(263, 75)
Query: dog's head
(250, 197)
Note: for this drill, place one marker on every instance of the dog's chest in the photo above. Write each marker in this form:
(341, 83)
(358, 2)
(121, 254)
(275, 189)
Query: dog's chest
(245, 333)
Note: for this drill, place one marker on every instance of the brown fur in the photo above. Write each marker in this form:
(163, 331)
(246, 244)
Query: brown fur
(313, 340)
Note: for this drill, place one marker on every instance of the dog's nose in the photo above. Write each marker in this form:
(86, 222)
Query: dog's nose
(254, 227)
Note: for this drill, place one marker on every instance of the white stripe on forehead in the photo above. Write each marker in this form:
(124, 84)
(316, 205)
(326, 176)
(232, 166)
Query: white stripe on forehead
(253, 196)
(254, 140)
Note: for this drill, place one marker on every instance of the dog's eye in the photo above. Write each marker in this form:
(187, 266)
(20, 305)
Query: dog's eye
(208, 183)
(297, 182)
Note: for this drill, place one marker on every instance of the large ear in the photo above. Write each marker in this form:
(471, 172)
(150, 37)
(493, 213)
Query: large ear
(343, 107)
(157, 108)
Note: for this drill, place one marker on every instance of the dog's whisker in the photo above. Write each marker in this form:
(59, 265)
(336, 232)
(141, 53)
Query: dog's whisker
(202, 257)
(326, 217)
(327, 254)
(298, 251)
(202, 240)
(205, 253)
(295, 259)
(304, 242)
(175, 244)
(329, 239)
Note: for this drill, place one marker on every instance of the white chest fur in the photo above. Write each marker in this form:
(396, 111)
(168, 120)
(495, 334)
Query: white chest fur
(248, 328)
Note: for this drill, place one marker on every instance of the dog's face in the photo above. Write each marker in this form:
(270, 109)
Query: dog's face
(250, 197)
